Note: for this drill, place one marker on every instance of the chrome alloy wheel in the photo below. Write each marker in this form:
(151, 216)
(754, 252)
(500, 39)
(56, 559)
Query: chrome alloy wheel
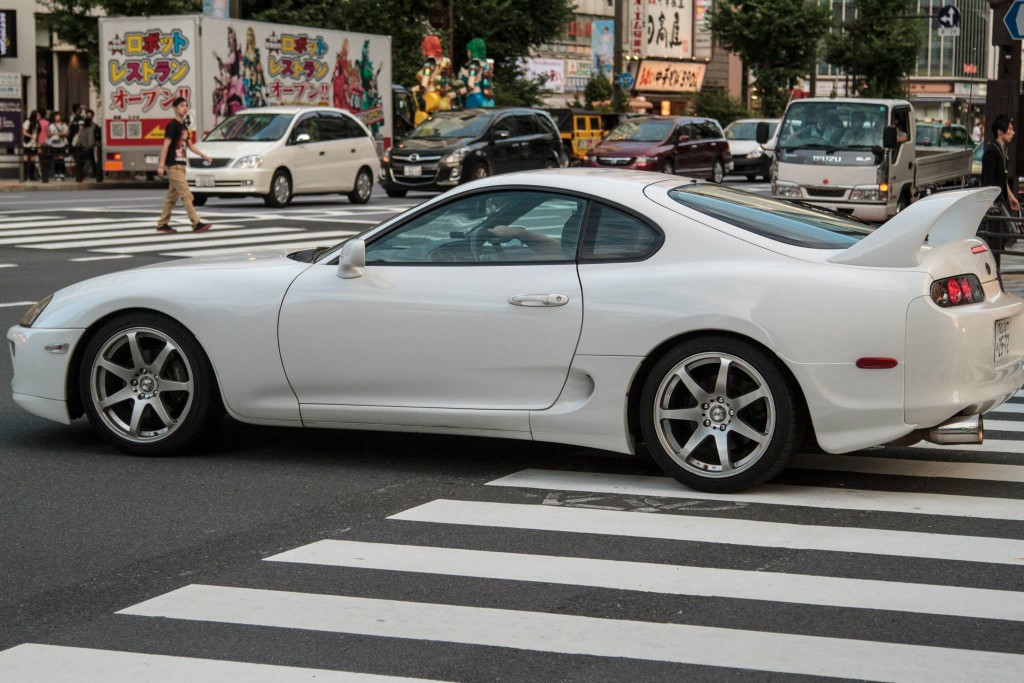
(715, 415)
(364, 186)
(717, 172)
(141, 385)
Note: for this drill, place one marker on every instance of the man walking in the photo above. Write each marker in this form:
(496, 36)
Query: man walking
(173, 158)
(993, 174)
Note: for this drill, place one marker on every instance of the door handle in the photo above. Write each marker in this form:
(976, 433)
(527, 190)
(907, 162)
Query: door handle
(322, 153)
(538, 300)
(353, 151)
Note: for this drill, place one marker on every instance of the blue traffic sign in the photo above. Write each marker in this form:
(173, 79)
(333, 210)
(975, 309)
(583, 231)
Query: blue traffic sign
(949, 17)
(1014, 20)
(625, 79)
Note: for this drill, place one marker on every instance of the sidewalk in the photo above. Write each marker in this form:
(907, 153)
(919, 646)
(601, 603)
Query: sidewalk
(86, 184)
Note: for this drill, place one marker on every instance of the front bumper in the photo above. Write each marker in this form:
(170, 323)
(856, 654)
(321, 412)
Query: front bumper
(245, 181)
(41, 360)
(751, 165)
(432, 177)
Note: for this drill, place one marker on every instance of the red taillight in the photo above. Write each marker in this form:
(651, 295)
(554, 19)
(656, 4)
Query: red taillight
(956, 291)
(876, 363)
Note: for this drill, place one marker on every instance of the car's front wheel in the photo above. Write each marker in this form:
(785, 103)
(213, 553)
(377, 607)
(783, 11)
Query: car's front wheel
(360, 194)
(668, 167)
(147, 386)
(719, 415)
(280, 189)
(479, 172)
(199, 200)
(393, 193)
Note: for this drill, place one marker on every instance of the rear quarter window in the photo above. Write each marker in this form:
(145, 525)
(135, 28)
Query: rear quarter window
(614, 235)
(775, 219)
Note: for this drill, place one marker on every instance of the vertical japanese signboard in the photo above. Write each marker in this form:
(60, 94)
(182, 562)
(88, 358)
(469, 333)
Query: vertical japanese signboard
(10, 110)
(668, 29)
(636, 27)
(8, 33)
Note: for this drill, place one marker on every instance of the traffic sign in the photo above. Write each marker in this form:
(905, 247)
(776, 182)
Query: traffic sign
(625, 79)
(949, 32)
(1014, 20)
(948, 17)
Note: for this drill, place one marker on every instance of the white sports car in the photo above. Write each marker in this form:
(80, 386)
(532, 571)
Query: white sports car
(591, 307)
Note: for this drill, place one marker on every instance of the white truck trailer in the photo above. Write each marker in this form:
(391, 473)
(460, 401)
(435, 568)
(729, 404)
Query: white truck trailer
(858, 156)
(223, 66)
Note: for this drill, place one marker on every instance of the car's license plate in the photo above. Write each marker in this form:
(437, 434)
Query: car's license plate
(413, 171)
(152, 159)
(204, 181)
(1002, 338)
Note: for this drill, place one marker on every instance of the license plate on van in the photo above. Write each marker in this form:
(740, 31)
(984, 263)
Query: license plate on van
(1002, 338)
(205, 181)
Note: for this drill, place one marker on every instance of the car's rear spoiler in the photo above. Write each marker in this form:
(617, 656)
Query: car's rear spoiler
(939, 218)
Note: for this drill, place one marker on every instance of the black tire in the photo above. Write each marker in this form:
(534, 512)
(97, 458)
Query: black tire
(717, 171)
(751, 177)
(759, 436)
(479, 172)
(280, 189)
(668, 167)
(551, 163)
(363, 188)
(903, 202)
(395, 194)
(171, 369)
(199, 199)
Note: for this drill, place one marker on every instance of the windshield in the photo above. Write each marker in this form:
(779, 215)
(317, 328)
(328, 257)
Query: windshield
(453, 126)
(937, 135)
(782, 221)
(251, 128)
(747, 130)
(833, 125)
(641, 131)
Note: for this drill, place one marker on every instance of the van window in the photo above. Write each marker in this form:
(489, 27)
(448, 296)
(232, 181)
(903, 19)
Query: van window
(335, 126)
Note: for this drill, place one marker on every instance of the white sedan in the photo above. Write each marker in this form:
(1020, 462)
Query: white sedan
(611, 309)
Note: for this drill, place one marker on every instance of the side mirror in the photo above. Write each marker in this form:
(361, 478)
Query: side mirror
(684, 138)
(352, 259)
(501, 134)
(762, 132)
(889, 137)
(301, 137)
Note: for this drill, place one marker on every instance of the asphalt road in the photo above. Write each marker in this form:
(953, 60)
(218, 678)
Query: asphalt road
(465, 559)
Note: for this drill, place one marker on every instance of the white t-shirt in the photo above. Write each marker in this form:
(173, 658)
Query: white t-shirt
(29, 143)
(976, 133)
(58, 135)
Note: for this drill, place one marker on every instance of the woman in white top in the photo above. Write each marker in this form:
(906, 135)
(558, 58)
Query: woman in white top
(58, 142)
(30, 133)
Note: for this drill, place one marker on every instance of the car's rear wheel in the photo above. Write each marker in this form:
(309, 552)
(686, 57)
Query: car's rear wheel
(280, 189)
(551, 163)
(395, 194)
(751, 177)
(719, 415)
(668, 167)
(147, 386)
(199, 199)
(717, 171)
(363, 188)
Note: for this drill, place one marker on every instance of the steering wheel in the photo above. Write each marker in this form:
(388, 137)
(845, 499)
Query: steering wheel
(478, 239)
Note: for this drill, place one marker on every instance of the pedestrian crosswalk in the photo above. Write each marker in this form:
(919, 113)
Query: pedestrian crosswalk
(123, 233)
(880, 565)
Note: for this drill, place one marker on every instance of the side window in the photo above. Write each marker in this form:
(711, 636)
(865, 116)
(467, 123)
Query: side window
(614, 235)
(333, 126)
(504, 227)
(507, 124)
(711, 131)
(527, 125)
(689, 131)
(306, 126)
(900, 119)
(545, 126)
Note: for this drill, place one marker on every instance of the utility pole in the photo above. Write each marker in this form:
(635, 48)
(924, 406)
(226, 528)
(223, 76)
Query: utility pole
(617, 96)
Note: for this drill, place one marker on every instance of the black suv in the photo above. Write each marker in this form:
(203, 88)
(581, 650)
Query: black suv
(453, 147)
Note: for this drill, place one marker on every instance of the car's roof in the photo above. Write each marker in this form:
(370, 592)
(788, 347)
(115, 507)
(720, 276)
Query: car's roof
(580, 180)
(755, 121)
(285, 109)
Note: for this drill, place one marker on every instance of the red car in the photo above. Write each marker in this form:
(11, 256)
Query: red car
(687, 145)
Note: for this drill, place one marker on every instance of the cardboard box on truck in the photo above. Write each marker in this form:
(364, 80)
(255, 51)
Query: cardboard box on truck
(223, 66)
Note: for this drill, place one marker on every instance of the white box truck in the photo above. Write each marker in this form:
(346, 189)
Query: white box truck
(858, 156)
(223, 66)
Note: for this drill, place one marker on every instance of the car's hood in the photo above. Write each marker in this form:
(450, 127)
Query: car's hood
(262, 258)
(625, 148)
(233, 150)
(438, 145)
(741, 148)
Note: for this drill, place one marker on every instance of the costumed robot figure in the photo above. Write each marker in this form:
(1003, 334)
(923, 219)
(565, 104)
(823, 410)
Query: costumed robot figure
(432, 80)
(476, 89)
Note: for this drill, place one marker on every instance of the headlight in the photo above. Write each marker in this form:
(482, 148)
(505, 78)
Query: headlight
(872, 193)
(32, 313)
(456, 157)
(251, 161)
(758, 152)
(787, 191)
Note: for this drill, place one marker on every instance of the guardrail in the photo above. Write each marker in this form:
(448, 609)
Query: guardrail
(998, 229)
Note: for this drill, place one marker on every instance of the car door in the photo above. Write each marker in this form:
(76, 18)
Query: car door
(337, 154)
(443, 316)
(901, 160)
(504, 152)
(687, 152)
(304, 158)
(532, 142)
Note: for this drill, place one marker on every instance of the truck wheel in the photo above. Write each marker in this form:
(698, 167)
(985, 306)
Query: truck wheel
(280, 189)
(395, 194)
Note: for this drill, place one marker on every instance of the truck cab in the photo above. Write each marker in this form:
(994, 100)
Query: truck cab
(858, 156)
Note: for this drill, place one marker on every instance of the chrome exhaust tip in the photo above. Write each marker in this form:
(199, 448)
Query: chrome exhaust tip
(962, 429)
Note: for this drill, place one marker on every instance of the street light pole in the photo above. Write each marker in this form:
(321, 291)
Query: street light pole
(617, 29)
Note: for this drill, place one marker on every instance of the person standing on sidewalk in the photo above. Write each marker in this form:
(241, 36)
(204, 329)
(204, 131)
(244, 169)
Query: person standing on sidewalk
(85, 143)
(58, 138)
(994, 174)
(174, 159)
